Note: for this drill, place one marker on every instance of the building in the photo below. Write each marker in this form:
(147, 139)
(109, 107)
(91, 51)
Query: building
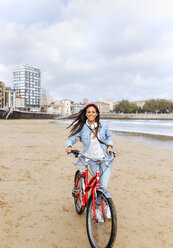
(2, 94)
(104, 108)
(62, 107)
(46, 101)
(65, 107)
(85, 101)
(76, 107)
(109, 101)
(10, 98)
(55, 108)
(20, 102)
(27, 84)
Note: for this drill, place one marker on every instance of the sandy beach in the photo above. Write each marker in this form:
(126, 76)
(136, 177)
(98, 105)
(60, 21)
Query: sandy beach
(36, 180)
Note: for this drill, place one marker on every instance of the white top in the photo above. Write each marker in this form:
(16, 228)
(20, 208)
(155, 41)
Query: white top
(94, 150)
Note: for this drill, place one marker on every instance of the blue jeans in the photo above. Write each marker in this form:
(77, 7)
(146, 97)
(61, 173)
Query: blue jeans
(106, 170)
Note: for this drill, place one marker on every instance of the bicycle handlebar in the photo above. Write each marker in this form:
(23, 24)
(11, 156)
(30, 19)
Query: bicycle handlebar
(76, 153)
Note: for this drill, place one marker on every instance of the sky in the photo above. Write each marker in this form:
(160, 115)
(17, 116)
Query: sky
(91, 48)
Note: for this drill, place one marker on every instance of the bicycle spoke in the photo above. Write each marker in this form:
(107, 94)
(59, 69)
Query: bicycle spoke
(100, 230)
(78, 194)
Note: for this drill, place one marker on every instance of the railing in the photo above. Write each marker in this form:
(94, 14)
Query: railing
(7, 113)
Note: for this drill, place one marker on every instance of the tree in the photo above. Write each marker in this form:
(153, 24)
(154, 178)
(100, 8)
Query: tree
(133, 108)
(140, 110)
(150, 106)
(171, 106)
(159, 106)
(122, 107)
(126, 107)
(164, 106)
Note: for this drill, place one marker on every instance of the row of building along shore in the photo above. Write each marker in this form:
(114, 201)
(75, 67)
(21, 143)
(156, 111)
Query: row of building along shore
(28, 95)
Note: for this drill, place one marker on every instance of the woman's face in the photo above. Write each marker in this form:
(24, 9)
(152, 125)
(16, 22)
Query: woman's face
(91, 114)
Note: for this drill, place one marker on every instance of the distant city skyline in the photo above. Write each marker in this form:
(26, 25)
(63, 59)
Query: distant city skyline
(118, 50)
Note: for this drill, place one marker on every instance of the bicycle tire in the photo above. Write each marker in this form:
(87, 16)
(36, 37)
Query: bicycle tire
(79, 191)
(101, 234)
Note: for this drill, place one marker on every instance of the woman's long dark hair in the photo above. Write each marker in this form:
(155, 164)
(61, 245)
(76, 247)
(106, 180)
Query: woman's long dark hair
(80, 120)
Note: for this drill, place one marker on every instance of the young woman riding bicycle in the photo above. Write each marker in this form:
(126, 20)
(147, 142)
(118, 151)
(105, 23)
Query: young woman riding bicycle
(96, 139)
(101, 220)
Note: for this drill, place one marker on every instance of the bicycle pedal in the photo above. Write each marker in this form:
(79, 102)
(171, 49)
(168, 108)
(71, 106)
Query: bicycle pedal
(74, 191)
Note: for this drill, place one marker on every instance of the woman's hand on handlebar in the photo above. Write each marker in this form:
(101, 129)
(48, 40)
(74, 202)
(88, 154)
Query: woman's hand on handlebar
(68, 150)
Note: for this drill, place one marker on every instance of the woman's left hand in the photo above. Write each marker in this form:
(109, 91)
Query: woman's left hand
(109, 149)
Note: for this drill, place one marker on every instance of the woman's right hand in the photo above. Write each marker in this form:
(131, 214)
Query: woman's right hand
(68, 150)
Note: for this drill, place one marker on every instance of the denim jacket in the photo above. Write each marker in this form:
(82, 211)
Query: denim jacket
(85, 135)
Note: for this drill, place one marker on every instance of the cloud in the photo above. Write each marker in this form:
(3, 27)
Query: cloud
(4, 72)
(31, 12)
(84, 49)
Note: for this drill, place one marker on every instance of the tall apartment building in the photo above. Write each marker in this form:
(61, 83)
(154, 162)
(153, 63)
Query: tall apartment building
(27, 83)
(2, 95)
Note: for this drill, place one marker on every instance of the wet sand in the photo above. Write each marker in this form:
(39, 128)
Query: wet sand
(36, 179)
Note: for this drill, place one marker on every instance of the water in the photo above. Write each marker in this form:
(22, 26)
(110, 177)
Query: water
(153, 127)
(154, 132)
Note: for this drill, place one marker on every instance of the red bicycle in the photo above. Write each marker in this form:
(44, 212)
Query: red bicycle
(101, 218)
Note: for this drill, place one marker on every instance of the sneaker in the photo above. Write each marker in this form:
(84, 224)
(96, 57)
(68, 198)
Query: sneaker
(107, 212)
(99, 216)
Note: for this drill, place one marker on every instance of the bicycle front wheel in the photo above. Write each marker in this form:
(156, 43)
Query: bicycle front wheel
(102, 230)
(79, 192)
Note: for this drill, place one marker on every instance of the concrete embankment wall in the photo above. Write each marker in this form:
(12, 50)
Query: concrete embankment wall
(138, 116)
(23, 115)
(32, 115)
(1, 113)
(28, 115)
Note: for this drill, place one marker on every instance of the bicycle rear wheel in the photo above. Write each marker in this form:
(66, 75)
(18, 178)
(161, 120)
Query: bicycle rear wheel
(101, 233)
(78, 192)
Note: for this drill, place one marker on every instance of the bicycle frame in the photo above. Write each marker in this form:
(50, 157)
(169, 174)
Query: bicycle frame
(92, 185)
(100, 212)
